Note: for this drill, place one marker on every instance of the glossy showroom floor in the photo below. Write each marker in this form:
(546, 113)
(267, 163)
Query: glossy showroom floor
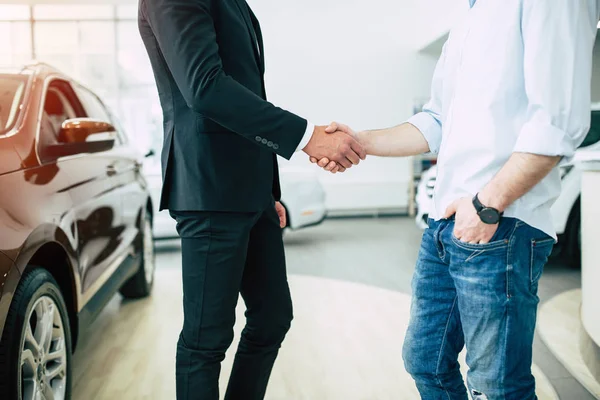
(350, 279)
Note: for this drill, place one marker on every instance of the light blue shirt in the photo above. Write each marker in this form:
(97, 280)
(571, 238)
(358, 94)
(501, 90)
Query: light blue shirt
(515, 77)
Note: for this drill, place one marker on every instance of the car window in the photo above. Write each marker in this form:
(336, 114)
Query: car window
(593, 136)
(60, 104)
(12, 93)
(95, 109)
(122, 137)
(93, 106)
(57, 109)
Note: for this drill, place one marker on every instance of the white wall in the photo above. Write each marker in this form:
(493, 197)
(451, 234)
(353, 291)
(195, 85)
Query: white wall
(353, 62)
(436, 18)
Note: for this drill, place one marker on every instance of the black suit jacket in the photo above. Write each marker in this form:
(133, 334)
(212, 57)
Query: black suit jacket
(221, 135)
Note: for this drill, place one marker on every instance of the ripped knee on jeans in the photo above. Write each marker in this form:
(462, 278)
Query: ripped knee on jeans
(477, 395)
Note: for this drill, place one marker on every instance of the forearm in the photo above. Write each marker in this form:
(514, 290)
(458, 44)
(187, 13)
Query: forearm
(236, 108)
(185, 33)
(558, 115)
(400, 141)
(518, 176)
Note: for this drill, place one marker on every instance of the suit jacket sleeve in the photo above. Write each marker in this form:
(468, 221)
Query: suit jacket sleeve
(185, 32)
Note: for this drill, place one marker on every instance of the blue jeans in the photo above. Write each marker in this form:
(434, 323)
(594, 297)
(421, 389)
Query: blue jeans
(481, 296)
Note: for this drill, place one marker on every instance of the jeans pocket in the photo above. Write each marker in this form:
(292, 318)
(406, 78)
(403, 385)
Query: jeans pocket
(540, 252)
(501, 237)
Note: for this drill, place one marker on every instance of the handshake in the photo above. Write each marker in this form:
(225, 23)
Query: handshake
(335, 148)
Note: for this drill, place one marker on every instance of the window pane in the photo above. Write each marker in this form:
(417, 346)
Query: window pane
(141, 116)
(128, 11)
(21, 38)
(16, 60)
(5, 45)
(63, 62)
(55, 37)
(93, 107)
(72, 12)
(13, 12)
(15, 46)
(98, 73)
(134, 65)
(97, 37)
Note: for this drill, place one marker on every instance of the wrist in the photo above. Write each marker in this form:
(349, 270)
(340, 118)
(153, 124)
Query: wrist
(488, 214)
(491, 200)
(311, 140)
(365, 139)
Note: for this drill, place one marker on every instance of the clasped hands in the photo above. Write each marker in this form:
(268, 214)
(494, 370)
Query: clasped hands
(335, 148)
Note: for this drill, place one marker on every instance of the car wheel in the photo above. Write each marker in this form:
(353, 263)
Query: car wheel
(140, 285)
(574, 237)
(35, 350)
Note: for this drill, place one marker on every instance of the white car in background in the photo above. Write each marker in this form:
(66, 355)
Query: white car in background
(303, 198)
(566, 212)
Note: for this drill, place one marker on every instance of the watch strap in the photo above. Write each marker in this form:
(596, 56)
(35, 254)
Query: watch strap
(479, 206)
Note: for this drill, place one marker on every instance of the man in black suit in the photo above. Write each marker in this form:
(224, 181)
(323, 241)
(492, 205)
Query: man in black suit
(221, 184)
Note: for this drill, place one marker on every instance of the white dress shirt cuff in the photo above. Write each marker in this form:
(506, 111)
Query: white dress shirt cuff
(310, 128)
(431, 129)
(544, 139)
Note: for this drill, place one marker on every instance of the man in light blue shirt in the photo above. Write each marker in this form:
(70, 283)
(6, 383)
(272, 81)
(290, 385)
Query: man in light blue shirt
(510, 102)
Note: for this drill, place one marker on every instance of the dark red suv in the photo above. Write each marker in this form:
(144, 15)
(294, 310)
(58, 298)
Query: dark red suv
(75, 226)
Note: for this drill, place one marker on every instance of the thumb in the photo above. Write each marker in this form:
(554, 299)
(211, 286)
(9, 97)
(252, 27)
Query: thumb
(333, 127)
(450, 211)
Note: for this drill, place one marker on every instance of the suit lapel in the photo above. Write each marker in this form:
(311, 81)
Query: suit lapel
(245, 10)
(261, 46)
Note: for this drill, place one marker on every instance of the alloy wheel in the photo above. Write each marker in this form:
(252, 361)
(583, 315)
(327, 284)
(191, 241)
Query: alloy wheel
(43, 359)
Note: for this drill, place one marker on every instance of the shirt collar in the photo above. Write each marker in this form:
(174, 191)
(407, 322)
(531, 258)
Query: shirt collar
(472, 3)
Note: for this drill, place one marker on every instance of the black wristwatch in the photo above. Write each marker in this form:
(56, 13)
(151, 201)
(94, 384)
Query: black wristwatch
(488, 215)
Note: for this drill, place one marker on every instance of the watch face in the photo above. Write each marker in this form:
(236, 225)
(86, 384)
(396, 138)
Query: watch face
(489, 216)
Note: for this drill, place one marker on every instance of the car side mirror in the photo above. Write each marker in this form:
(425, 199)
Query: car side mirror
(81, 136)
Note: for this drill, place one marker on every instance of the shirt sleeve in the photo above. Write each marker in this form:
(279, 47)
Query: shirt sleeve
(558, 40)
(429, 121)
(310, 129)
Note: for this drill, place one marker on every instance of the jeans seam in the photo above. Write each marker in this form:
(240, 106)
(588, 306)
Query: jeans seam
(531, 249)
(475, 254)
(437, 368)
(469, 247)
(509, 266)
(535, 246)
(504, 350)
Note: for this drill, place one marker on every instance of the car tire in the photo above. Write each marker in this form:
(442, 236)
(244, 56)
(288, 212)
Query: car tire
(37, 299)
(573, 242)
(140, 285)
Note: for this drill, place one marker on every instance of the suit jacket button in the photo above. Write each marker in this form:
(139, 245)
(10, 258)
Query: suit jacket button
(276, 146)
(264, 141)
(258, 138)
(270, 144)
